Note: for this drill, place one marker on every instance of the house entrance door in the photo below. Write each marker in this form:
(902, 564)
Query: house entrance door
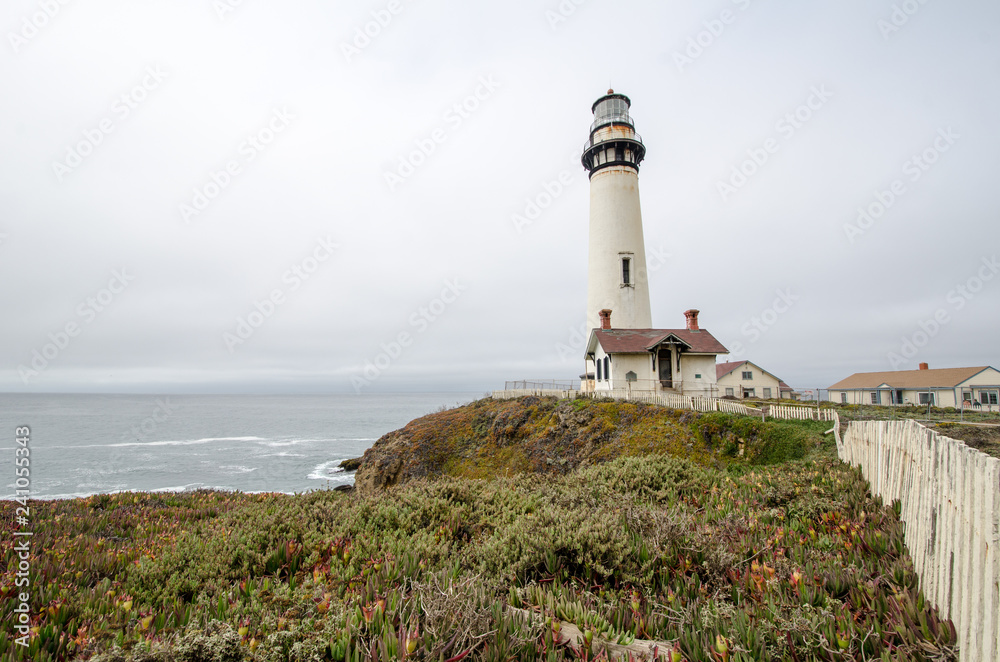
(666, 368)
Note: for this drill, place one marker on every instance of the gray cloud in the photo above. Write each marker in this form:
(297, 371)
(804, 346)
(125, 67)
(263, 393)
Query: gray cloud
(324, 175)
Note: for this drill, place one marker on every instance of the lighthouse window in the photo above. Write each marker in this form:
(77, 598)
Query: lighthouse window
(619, 154)
(626, 271)
(612, 109)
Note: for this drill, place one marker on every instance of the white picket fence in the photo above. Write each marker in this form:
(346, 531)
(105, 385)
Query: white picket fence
(677, 401)
(802, 413)
(950, 498)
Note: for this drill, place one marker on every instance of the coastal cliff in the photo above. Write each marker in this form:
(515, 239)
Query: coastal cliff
(491, 437)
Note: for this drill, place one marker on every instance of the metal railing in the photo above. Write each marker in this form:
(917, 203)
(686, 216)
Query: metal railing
(610, 139)
(543, 385)
(607, 120)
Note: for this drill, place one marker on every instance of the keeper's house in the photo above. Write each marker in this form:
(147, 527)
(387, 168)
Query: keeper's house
(678, 361)
(743, 379)
(971, 388)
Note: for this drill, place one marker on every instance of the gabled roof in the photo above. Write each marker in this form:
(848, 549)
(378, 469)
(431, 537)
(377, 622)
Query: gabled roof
(938, 378)
(723, 369)
(782, 386)
(640, 341)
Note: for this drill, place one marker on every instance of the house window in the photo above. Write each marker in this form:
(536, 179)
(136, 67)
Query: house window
(966, 396)
(767, 393)
(626, 271)
(988, 397)
(749, 393)
(843, 398)
(927, 398)
(875, 398)
(600, 364)
(729, 392)
(697, 375)
(748, 375)
(607, 365)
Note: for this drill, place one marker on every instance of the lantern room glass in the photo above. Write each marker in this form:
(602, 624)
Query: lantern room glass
(612, 110)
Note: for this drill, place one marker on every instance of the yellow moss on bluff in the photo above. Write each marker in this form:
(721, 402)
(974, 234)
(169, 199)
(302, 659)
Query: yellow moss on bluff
(490, 437)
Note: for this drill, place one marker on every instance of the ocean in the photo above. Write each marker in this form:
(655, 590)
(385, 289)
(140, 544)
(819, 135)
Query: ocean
(92, 444)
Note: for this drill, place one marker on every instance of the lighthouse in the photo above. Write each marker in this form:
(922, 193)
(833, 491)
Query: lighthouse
(616, 268)
(624, 353)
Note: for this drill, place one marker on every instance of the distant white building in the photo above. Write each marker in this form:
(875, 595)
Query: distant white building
(659, 360)
(744, 379)
(788, 393)
(974, 388)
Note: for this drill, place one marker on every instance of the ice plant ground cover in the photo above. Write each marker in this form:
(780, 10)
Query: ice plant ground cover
(719, 560)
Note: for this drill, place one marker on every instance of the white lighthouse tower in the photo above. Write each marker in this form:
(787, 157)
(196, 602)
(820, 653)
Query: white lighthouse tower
(616, 274)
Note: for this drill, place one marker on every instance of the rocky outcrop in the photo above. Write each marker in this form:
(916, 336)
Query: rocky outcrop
(495, 437)
(351, 465)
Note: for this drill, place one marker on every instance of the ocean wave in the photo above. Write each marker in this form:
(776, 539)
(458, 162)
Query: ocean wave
(326, 470)
(280, 443)
(184, 442)
(233, 469)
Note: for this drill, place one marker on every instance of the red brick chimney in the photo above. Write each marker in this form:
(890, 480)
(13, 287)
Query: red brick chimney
(924, 366)
(692, 319)
(605, 319)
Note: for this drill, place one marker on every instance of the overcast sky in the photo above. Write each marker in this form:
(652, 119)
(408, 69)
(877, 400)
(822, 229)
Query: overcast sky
(215, 195)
